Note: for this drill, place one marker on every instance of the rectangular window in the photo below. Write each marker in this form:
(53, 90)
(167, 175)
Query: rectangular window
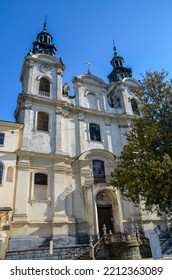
(98, 171)
(2, 136)
(94, 132)
(40, 186)
(42, 122)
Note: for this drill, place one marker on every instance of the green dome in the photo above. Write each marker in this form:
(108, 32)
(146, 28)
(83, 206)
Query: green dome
(43, 43)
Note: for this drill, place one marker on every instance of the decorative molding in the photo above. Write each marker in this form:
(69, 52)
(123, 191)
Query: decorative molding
(59, 111)
(26, 106)
(44, 68)
(107, 121)
(65, 114)
(30, 66)
(81, 117)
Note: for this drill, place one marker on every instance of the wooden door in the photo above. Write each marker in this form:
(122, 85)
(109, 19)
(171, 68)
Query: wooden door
(105, 217)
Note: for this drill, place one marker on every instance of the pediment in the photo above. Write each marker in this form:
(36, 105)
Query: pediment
(47, 59)
(90, 79)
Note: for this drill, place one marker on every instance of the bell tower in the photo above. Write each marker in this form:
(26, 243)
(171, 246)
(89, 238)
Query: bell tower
(43, 43)
(119, 72)
(42, 90)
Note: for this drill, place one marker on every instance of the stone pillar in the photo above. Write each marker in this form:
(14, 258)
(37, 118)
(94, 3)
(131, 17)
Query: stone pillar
(22, 190)
(30, 68)
(59, 84)
(58, 131)
(27, 129)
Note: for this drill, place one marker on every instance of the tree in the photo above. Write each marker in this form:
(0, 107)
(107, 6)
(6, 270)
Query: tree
(144, 168)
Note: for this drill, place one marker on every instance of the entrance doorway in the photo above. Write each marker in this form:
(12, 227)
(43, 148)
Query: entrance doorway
(105, 217)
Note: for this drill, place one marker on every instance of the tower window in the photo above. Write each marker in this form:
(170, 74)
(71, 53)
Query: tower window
(98, 171)
(135, 107)
(1, 172)
(42, 122)
(44, 87)
(2, 135)
(94, 132)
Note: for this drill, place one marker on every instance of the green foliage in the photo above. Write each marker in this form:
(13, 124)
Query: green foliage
(144, 169)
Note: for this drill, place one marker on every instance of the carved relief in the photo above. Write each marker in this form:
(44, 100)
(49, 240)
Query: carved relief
(44, 68)
(66, 89)
(30, 66)
(114, 99)
(81, 117)
(26, 106)
(65, 114)
(4, 218)
(107, 121)
(58, 111)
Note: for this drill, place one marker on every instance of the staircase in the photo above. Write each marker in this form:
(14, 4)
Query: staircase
(166, 246)
(145, 249)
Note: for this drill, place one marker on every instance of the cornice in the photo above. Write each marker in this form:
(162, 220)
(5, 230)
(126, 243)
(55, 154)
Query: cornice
(11, 124)
(64, 106)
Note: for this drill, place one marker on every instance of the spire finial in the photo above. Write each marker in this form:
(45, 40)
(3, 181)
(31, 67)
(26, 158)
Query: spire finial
(88, 67)
(45, 23)
(114, 47)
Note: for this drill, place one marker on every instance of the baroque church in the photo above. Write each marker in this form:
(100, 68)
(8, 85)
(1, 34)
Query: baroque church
(56, 159)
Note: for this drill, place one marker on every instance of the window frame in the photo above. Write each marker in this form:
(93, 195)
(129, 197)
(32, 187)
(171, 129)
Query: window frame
(42, 123)
(94, 126)
(40, 189)
(44, 87)
(1, 172)
(135, 107)
(101, 177)
(2, 136)
(44, 179)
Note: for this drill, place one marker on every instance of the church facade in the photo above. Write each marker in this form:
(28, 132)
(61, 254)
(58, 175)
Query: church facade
(56, 160)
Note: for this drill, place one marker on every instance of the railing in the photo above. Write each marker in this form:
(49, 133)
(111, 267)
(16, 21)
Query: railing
(99, 245)
(130, 238)
(93, 180)
(44, 93)
(145, 240)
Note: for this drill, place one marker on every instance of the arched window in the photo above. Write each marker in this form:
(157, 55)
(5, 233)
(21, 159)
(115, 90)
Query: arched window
(92, 101)
(1, 172)
(98, 171)
(40, 186)
(135, 107)
(42, 121)
(10, 174)
(94, 132)
(44, 87)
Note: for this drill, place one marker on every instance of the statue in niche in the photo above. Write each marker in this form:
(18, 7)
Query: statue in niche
(114, 101)
(66, 89)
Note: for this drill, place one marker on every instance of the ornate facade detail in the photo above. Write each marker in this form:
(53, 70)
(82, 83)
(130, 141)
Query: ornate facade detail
(114, 98)
(65, 114)
(45, 68)
(59, 111)
(81, 117)
(107, 121)
(26, 106)
(30, 66)
(66, 89)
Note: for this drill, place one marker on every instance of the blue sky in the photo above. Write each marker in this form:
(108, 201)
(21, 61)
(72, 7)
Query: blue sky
(83, 31)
